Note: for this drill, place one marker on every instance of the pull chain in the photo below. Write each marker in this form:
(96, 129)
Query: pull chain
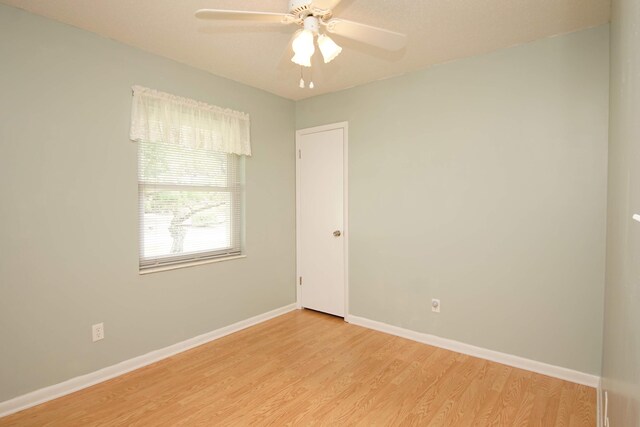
(302, 83)
(301, 79)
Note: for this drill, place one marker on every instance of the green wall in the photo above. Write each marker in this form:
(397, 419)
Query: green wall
(69, 208)
(482, 182)
(621, 358)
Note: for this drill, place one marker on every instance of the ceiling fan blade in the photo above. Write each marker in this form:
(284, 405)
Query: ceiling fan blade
(324, 4)
(243, 15)
(385, 39)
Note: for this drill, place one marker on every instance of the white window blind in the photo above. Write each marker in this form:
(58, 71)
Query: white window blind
(190, 192)
(190, 204)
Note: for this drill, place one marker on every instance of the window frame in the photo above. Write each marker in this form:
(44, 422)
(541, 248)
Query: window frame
(236, 220)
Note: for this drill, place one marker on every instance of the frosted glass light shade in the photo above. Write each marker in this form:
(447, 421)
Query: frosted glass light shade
(303, 48)
(329, 49)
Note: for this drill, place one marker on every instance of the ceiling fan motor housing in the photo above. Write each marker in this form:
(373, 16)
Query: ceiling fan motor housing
(299, 6)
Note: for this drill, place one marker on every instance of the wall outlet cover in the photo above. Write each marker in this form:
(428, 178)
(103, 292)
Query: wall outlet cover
(97, 331)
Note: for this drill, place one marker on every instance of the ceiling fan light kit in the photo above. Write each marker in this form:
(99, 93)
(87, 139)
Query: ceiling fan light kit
(303, 44)
(310, 15)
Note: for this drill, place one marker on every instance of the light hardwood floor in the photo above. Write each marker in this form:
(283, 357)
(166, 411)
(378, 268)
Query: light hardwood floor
(307, 368)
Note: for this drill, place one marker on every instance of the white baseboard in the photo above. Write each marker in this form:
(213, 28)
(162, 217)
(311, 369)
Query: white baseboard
(483, 353)
(78, 383)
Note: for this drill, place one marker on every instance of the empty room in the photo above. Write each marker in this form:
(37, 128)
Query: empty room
(320, 212)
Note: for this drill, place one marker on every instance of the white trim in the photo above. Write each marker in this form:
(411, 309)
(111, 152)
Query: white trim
(298, 294)
(78, 383)
(599, 414)
(483, 353)
(345, 192)
(177, 266)
(345, 232)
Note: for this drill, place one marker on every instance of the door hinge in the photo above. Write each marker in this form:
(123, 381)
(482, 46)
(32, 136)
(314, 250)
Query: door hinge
(300, 282)
(299, 154)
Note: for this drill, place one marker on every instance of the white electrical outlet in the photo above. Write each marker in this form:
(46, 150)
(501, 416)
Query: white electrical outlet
(435, 305)
(98, 331)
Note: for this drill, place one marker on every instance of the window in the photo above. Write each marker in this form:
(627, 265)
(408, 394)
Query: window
(189, 178)
(190, 204)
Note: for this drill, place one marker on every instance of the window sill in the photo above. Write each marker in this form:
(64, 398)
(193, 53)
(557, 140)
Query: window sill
(187, 264)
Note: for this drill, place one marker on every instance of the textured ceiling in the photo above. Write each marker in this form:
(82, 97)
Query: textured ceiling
(258, 54)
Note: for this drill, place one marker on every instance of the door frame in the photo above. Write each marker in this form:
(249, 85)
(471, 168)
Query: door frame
(345, 204)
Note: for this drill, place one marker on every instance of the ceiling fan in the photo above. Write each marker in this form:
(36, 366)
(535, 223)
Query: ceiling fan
(311, 15)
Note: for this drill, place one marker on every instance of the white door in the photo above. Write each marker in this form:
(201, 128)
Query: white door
(321, 218)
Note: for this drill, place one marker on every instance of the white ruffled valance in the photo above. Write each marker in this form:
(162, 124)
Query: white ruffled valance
(165, 118)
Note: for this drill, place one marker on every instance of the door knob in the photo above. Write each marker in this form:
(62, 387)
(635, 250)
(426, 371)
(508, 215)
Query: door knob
(337, 233)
